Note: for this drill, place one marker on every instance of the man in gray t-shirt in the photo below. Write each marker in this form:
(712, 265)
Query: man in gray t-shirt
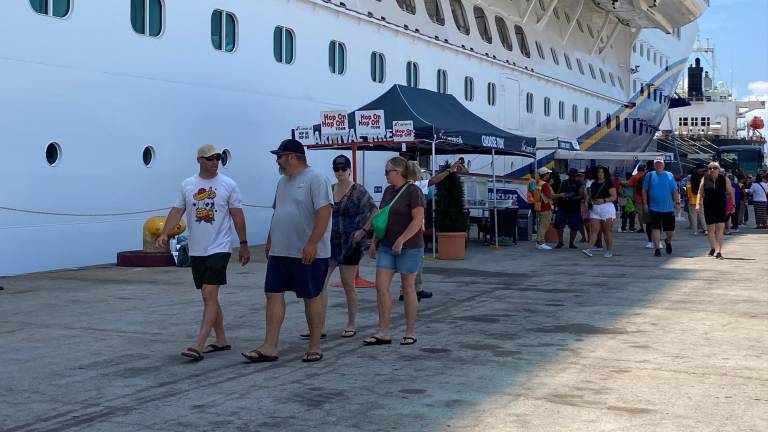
(298, 248)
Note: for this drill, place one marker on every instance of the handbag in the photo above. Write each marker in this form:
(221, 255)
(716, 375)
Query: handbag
(381, 218)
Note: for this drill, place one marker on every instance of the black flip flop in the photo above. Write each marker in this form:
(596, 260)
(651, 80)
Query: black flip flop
(211, 348)
(408, 340)
(377, 341)
(306, 336)
(193, 354)
(259, 357)
(348, 333)
(312, 356)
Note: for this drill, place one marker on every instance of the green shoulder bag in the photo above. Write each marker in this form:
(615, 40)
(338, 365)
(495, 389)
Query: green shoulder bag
(381, 218)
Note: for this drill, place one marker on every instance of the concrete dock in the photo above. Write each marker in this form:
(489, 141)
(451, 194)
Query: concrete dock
(513, 340)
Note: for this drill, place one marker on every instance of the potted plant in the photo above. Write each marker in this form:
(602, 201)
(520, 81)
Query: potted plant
(450, 219)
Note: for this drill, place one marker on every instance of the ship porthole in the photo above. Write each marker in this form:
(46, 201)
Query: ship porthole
(148, 156)
(226, 156)
(53, 153)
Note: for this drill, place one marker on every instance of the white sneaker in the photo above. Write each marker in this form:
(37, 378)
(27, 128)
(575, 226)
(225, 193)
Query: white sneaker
(650, 245)
(587, 252)
(596, 248)
(608, 254)
(543, 246)
(621, 230)
(736, 230)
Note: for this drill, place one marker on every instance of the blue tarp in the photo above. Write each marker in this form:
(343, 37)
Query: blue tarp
(441, 116)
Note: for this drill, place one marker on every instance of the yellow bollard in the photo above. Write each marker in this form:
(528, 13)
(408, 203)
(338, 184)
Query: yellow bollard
(153, 227)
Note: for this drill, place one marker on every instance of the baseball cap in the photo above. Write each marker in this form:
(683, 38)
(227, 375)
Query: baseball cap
(342, 160)
(661, 161)
(572, 171)
(206, 150)
(544, 170)
(289, 146)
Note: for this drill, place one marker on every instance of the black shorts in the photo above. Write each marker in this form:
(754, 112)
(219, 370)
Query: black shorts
(210, 270)
(289, 274)
(353, 256)
(664, 221)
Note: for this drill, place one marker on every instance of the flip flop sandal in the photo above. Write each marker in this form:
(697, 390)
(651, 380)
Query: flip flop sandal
(193, 354)
(348, 333)
(311, 357)
(211, 348)
(408, 340)
(306, 335)
(257, 356)
(377, 341)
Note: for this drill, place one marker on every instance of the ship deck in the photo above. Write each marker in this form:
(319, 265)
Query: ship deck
(513, 340)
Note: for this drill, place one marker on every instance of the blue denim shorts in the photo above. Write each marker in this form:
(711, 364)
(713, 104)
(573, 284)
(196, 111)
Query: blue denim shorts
(407, 262)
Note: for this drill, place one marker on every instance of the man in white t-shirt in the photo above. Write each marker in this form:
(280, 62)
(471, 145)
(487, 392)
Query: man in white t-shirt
(212, 203)
(298, 249)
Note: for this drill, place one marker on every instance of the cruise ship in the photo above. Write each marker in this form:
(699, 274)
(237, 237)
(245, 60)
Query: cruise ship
(105, 102)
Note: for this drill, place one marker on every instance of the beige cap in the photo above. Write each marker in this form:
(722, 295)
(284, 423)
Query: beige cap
(206, 150)
(544, 170)
(658, 160)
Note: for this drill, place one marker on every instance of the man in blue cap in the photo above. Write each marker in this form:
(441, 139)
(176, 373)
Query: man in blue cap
(569, 209)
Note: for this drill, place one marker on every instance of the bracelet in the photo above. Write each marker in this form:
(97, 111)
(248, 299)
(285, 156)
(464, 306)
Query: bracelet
(244, 242)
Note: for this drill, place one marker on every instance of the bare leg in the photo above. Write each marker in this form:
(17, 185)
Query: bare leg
(218, 328)
(211, 309)
(594, 227)
(275, 316)
(607, 225)
(313, 310)
(656, 238)
(560, 236)
(711, 237)
(411, 303)
(719, 236)
(384, 300)
(324, 296)
(572, 238)
(348, 274)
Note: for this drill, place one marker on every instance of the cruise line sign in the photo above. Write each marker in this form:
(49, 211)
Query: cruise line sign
(333, 123)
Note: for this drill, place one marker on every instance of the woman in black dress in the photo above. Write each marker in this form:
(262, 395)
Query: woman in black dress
(715, 191)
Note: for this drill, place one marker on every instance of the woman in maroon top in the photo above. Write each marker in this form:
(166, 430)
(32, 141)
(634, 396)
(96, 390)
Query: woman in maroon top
(401, 249)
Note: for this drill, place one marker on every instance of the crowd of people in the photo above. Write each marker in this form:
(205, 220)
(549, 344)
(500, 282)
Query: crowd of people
(318, 227)
(650, 200)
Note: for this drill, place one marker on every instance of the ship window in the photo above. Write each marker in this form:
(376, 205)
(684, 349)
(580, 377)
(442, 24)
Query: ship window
(459, 16)
(648, 54)
(540, 50)
(412, 74)
(613, 81)
(574, 113)
(442, 81)
(529, 103)
(568, 63)
(592, 71)
(555, 57)
(598, 118)
(147, 17)
(581, 66)
(482, 24)
(522, 41)
(654, 57)
(547, 107)
(54, 8)
(491, 94)
(435, 11)
(621, 83)
(148, 156)
(469, 89)
(634, 47)
(53, 153)
(655, 94)
(503, 30)
(602, 75)
(608, 120)
(284, 46)
(226, 157)
(223, 30)
(642, 50)
(586, 115)
(407, 6)
(634, 126)
(617, 123)
(337, 57)
(578, 24)
(378, 67)
(561, 110)
(626, 125)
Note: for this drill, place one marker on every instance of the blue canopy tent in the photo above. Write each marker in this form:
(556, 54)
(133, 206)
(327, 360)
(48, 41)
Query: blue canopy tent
(442, 125)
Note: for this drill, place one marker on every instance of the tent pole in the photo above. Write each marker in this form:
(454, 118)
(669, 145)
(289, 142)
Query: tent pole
(354, 163)
(434, 226)
(495, 207)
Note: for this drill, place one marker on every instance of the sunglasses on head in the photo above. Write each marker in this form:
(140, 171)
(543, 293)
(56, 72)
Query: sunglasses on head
(713, 168)
(337, 168)
(211, 158)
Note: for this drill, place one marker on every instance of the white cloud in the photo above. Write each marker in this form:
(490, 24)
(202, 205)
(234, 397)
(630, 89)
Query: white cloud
(758, 90)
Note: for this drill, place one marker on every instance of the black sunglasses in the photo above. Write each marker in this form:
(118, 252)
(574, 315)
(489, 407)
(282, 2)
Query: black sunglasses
(211, 158)
(338, 168)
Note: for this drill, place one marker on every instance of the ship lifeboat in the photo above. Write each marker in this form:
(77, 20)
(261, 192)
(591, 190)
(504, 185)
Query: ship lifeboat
(756, 123)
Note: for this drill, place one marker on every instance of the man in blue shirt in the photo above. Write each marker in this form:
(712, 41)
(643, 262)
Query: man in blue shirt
(662, 199)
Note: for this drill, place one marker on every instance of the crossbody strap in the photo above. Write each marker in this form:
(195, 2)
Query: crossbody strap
(398, 194)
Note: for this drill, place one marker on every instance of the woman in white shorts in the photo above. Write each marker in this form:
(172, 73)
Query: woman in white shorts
(601, 194)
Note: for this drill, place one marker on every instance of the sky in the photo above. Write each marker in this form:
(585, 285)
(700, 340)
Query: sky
(738, 29)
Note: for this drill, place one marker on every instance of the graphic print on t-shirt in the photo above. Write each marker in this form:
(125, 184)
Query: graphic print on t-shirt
(205, 205)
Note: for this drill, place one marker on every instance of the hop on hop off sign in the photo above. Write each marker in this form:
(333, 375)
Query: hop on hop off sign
(333, 122)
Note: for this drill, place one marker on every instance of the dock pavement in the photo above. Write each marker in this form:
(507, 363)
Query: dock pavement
(514, 339)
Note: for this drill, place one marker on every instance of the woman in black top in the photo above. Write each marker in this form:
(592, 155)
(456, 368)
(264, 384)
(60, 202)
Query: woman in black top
(601, 194)
(715, 191)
